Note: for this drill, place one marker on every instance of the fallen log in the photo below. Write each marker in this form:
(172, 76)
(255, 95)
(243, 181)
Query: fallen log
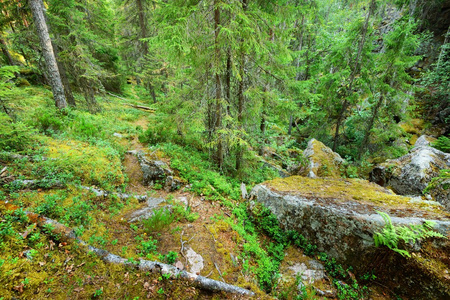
(122, 196)
(20, 184)
(9, 156)
(141, 107)
(132, 105)
(67, 234)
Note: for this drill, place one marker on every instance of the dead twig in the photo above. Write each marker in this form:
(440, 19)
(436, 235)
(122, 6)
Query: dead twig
(3, 171)
(211, 234)
(220, 273)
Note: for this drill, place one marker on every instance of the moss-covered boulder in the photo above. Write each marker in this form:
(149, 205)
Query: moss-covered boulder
(340, 217)
(411, 173)
(321, 161)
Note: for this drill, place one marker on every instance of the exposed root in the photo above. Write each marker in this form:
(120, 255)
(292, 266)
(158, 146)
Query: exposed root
(123, 196)
(68, 234)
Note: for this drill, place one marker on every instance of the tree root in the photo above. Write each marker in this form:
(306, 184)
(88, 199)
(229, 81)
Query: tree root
(122, 196)
(37, 184)
(67, 234)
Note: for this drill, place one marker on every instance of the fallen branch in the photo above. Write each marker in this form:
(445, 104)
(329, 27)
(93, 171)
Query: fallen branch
(36, 184)
(68, 234)
(3, 171)
(9, 156)
(132, 105)
(141, 107)
(122, 196)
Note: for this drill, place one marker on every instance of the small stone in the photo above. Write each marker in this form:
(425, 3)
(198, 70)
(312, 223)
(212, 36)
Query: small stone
(179, 265)
(116, 134)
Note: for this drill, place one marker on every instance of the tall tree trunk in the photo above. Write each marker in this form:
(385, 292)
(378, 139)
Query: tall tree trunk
(6, 52)
(142, 26)
(218, 125)
(47, 50)
(241, 99)
(262, 125)
(369, 127)
(346, 103)
(228, 82)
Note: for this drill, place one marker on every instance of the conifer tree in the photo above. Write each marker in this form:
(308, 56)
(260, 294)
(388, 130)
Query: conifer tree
(47, 50)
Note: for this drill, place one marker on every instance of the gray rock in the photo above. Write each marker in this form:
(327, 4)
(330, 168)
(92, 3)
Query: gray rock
(195, 260)
(309, 274)
(153, 170)
(322, 161)
(344, 228)
(118, 135)
(173, 184)
(423, 140)
(411, 174)
(148, 211)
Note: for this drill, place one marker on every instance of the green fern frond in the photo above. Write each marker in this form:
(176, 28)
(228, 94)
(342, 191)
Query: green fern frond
(390, 235)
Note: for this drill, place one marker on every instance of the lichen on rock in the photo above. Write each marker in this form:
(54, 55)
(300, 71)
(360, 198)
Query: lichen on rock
(340, 217)
(411, 173)
(322, 161)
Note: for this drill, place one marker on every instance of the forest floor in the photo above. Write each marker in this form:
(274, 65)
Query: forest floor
(81, 150)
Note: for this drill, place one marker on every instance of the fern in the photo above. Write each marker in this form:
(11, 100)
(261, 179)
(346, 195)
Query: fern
(392, 235)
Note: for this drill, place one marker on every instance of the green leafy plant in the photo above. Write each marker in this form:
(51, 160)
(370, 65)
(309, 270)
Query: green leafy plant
(14, 135)
(161, 218)
(396, 237)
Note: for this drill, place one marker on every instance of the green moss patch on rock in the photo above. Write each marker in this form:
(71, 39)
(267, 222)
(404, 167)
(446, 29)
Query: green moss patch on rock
(340, 217)
(322, 161)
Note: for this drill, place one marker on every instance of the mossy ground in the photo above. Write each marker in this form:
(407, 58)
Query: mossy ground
(81, 150)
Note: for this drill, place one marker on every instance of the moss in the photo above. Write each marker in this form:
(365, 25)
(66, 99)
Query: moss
(414, 126)
(325, 161)
(92, 164)
(347, 190)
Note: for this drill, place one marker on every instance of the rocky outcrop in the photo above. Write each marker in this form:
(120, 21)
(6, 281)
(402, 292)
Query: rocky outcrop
(148, 211)
(411, 174)
(424, 141)
(340, 217)
(157, 171)
(321, 162)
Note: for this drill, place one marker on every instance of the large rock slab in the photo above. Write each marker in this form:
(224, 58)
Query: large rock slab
(340, 217)
(321, 161)
(411, 173)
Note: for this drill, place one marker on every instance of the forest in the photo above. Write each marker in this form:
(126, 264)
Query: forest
(225, 149)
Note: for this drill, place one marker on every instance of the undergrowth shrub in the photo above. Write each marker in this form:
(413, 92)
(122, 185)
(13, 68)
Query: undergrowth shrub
(442, 143)
(48, 120)
(51, 207)
(14, 136)
(195, 167)
(161, 218)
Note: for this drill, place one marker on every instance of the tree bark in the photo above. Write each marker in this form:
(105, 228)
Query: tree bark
(142, 26)
(47, 50)
(375, 110)
(6, 52)
(241, 99)
(218, 125)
